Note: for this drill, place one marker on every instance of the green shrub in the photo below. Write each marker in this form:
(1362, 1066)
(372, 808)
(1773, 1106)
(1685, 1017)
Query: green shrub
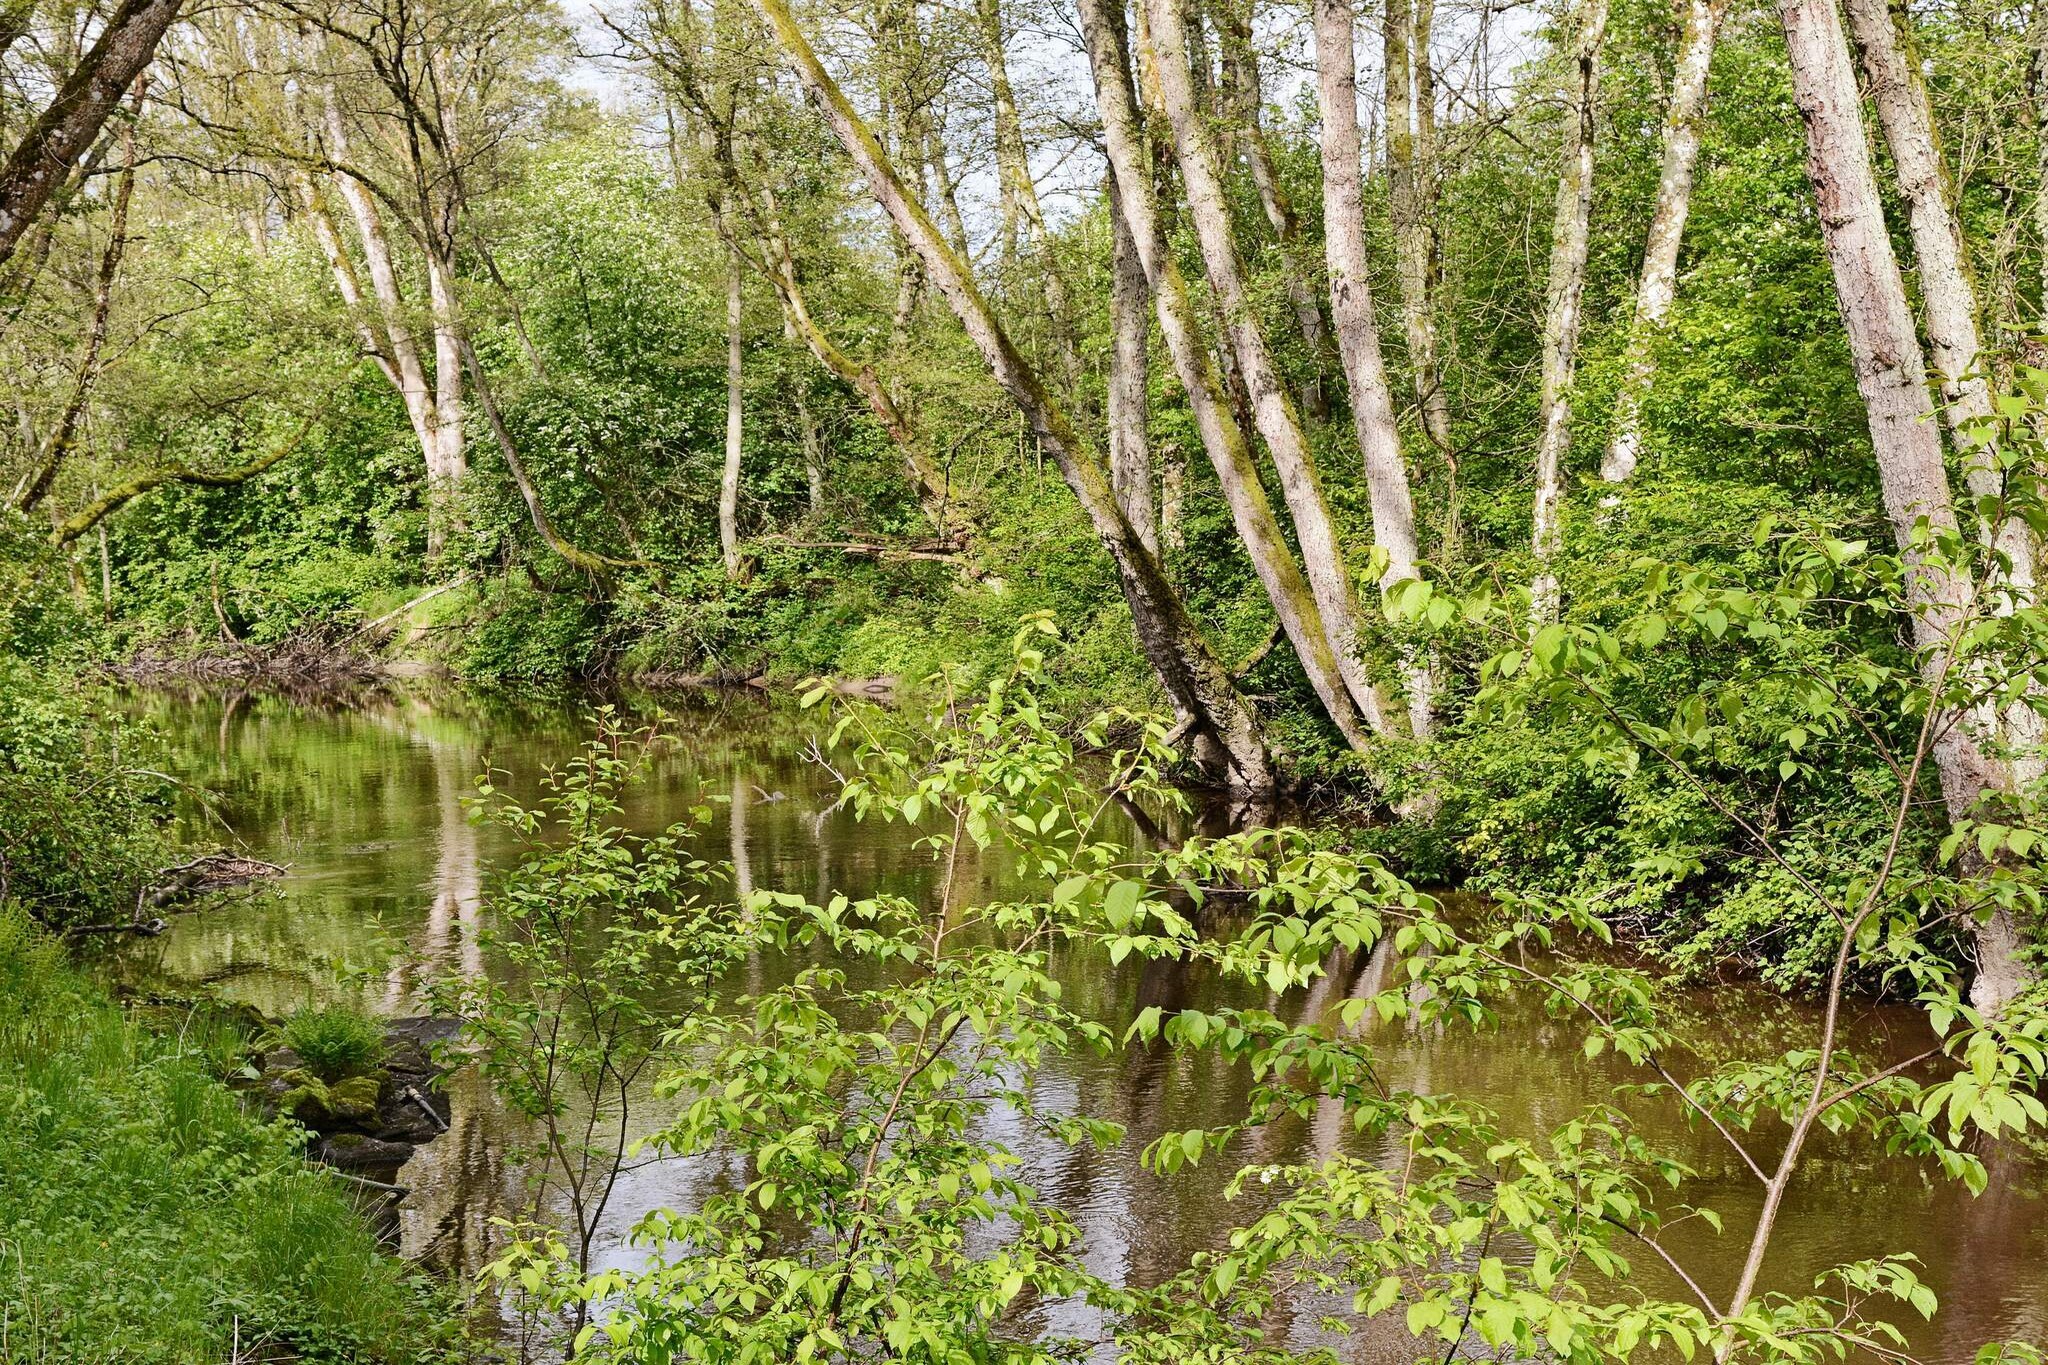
(335, 1042)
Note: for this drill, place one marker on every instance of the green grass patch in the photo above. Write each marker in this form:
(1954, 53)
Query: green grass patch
(146, 1215)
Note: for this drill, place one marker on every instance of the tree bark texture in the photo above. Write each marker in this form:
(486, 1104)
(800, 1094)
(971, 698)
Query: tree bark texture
(1412, 201)
(1223, 439)
(63, 132)
(1563, 305)
(1358, 335)
(735, 418)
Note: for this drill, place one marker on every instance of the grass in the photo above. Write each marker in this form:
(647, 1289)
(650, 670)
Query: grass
(147, 1216)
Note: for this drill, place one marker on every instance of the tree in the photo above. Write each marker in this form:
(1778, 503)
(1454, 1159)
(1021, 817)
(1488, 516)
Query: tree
(1892, 378)
(1273, 411)
(1296, 606)
(1229, 743)
(1657, 284)
(1564, 303)
(1358, 337)
(1410, 72)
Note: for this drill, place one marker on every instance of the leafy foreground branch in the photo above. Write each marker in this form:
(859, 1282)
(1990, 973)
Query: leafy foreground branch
(874, 1100)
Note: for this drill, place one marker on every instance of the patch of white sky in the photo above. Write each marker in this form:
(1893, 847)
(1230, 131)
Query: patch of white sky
(1480, 49)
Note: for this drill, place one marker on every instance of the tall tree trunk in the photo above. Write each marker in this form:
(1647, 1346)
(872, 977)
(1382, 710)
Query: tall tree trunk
(1892, 377)
(1242, 59)
(432, 407)
(449, 464)
(1948, 297)
(63, 132)
(729, 475)
(1294, 603)
(346, 282)
(1948, 303)
(1322, 558)
(1569, 240)
(1194, 678)
(1412, 201)
(1358, 333)
(1658, 284)
(1130, 312)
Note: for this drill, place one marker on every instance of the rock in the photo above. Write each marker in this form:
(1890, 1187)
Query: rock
(372, 1121)
(358, 1152)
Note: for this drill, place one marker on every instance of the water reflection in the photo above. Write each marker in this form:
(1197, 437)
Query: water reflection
(365, 802)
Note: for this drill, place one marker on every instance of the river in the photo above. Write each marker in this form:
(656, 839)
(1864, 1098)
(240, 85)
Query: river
(363, 799)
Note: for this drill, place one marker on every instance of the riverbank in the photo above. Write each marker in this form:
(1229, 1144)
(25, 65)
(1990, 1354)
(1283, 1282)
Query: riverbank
(147, 1215)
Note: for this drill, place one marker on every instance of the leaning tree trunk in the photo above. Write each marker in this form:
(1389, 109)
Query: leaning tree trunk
(1198, 683)
(1130, 450)
(1948, 303)
(1234, 27)
(1411, 170)
(1570, 232)
(729, 473)
(1208, 207)
(43, 159)
(1294, 604)
(1658, 284)
(1948, 297)
(1358, 335)
(57, 447)
(1892, 377)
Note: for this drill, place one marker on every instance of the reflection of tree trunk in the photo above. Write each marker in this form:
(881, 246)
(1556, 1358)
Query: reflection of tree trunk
(737, 841)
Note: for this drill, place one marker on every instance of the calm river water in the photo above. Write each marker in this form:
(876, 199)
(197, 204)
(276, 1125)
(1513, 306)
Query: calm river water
(363, 799)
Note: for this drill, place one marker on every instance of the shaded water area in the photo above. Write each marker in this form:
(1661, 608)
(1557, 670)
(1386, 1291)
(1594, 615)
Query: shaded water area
(364, 800)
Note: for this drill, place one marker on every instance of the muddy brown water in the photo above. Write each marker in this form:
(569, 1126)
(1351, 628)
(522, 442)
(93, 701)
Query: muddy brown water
(363, 798)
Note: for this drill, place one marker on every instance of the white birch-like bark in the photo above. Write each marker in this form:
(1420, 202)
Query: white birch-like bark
(1242, 60)
(1130, 450)
(1223, 439)
(1208, 207)
(451, 461)
(1358, 334)
(1948, 305)
(735, 422)
(1657, 286)
(1411, 167)
(1948, 296)
(1563, 305)
(1228, 737)
(1892, 378)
